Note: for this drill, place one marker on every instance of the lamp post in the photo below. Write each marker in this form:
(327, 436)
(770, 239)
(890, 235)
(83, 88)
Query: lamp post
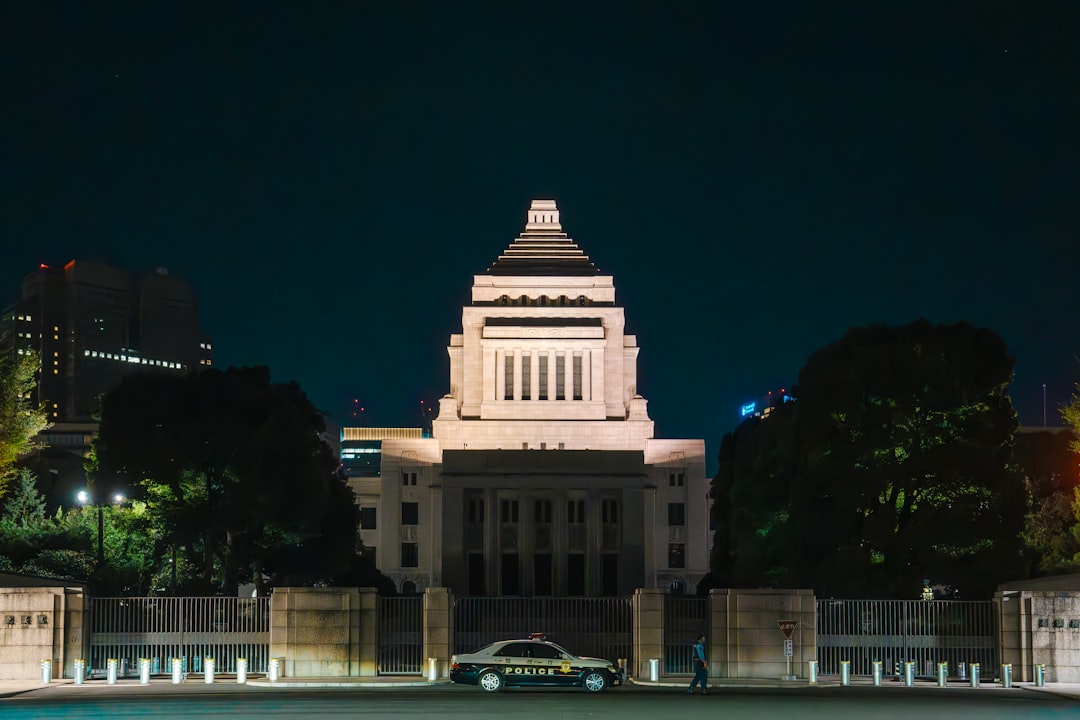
(86, 498)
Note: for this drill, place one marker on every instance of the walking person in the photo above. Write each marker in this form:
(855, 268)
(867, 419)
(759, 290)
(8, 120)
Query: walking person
(701, 668)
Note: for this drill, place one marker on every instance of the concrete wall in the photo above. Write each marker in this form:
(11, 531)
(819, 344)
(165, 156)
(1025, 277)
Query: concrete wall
(1040, 627)
(324, 632)
(745, 640)
(41, 623)
(647, 608)
(438, 629)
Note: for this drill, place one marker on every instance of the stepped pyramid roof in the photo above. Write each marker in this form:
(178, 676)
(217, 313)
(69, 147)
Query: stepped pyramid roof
(543, 249)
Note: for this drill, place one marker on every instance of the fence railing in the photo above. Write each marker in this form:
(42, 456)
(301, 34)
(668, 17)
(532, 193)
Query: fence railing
(898, 631)
(190, 628)
(401, 635)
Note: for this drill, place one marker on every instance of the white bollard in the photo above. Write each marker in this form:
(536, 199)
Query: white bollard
(1006, 675)
(1040, 675)
(144, 671)
(877, 673)
(111, 666)
(812, 672)
(241, 671)
(46, 672)
(177, 671)
(974, 675)
(208, 671)
(654, 669)
(845, 672)
(432, 669)
(909, 673)
(942, 674)
(80, 672)
(275, 669)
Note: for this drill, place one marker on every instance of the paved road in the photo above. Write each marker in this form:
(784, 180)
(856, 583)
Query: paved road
(234, 702)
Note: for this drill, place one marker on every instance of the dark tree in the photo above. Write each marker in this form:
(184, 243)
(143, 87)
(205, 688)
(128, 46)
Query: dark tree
(237, 479)
(891, 467)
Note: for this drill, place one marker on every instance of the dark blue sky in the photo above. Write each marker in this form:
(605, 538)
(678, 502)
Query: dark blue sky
(758, 177)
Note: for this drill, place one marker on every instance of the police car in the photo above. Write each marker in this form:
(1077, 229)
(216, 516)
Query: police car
(534, 662)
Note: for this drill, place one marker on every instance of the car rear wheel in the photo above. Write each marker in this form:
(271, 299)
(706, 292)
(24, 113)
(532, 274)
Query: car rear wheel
(490, 681)
(595, 681)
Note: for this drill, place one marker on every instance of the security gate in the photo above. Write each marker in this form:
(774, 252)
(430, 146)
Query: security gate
(684, 619)
(596, 627)
(190, 628)
(401, 635)
(925, 632)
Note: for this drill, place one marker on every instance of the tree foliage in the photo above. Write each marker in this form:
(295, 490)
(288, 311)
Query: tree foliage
(1052, 524)
(237, 481)
(892, 467)
(20, 418)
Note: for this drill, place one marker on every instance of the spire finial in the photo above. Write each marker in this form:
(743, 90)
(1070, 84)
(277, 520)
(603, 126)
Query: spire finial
(543, 215)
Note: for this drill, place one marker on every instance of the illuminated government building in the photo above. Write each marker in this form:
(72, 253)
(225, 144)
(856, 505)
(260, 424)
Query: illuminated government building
(541, 475)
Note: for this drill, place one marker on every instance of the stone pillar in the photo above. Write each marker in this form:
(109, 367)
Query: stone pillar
(568, 374)
(533, 358)
(586, 375)
(489, 376)
(517, 374)
(500, 375)
(647, 606)
(324, 632)
(438, 629)
(1040, 626)
(596, 375)
(41, 623)
(745, 640)
(552, 375)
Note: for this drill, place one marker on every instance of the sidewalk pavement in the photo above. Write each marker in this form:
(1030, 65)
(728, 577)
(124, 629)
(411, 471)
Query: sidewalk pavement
(10, 688)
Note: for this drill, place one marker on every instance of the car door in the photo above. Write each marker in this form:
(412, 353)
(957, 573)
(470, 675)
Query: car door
(513, 660)
(553, 665)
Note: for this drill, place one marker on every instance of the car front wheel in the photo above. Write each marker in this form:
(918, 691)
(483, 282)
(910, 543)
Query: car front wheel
(490, 681)
(595, 681)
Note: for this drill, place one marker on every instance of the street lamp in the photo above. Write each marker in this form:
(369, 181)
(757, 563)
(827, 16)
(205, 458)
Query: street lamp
(86, 498)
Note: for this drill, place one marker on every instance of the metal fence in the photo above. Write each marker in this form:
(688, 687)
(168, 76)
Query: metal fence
(596, 627)
(898, 631)
(401, 635)
(190, 628)
(684, 619)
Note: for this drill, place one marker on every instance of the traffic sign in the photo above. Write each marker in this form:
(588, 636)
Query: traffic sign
(786, 626)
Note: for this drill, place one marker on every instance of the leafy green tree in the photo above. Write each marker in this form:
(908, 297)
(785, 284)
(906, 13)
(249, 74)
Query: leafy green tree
(1052, 525)
(238, 484)
(20, 418)
(891, 467)
(25, 507)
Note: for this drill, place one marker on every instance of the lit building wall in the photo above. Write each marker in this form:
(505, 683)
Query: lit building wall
(542, 476)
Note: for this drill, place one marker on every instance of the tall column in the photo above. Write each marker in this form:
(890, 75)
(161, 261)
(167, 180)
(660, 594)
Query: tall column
(492, 552)
(596, 374)
(533, 358)
(517, 374)
(568, 375)
(552, 374)
(560, 532)
(592, 543)
(586, 375)
(500, 375)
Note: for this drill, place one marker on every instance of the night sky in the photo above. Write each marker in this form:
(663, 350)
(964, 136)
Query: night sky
(756, 176)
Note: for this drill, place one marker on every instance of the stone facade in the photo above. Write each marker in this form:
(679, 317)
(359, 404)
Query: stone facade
(324, 632)
(542, 475)
(41, 623)
(1040, 625)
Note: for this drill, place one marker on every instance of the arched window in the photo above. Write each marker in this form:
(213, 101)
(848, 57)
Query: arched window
(408, 588)
(504, 300)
